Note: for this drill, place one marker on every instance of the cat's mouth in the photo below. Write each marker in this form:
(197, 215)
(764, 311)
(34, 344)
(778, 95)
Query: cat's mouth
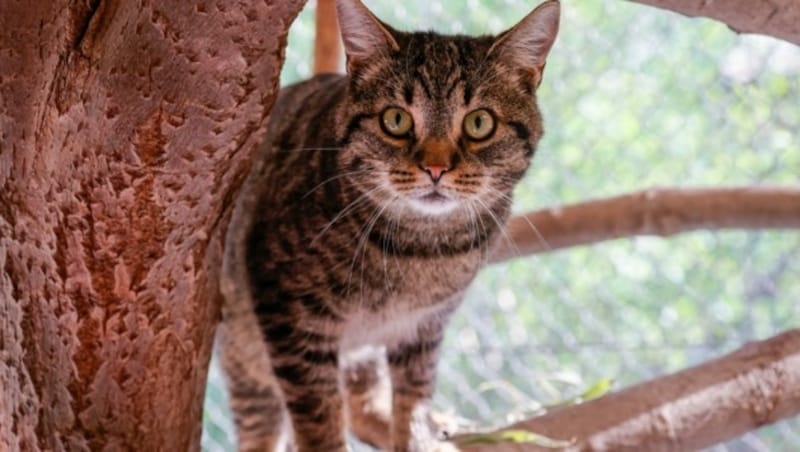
(434, 197)
(434, 203)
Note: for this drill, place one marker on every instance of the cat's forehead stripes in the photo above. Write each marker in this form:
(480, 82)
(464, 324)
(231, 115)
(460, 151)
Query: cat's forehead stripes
(427, 67)
(442, 66)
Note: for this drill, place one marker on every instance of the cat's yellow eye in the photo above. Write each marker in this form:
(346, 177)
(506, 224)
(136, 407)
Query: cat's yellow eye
(396, 122)
(479, 125)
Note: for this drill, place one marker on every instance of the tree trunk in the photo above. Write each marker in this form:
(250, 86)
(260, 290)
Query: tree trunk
(125, 130)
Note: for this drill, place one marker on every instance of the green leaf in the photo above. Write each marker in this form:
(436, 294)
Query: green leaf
(515, 436)
(598, 389)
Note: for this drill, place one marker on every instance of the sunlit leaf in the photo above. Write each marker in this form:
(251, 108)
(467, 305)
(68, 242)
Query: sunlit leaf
(598, 389)
(515, 436)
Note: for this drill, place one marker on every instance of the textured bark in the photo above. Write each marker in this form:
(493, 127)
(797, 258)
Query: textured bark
(778, 18)
(125, 130)
(757, 385)
(327, 40)
(661, 212)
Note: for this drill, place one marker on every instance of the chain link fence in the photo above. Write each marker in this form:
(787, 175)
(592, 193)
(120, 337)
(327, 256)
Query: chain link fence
(633, 97)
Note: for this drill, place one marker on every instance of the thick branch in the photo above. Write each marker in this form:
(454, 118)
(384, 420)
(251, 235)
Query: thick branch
(778, 18)
(327, 42)
(661, 212)
(757, 385)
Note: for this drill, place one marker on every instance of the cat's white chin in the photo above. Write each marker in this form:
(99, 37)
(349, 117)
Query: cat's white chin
(437, 206)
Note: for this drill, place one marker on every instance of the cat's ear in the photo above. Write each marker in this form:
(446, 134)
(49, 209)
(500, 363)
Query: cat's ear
(527, 43)
(363, 34)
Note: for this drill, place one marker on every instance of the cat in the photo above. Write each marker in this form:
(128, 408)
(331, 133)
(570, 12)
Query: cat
(374, 202)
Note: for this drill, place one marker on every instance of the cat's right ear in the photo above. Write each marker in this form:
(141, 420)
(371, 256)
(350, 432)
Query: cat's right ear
(363, 34)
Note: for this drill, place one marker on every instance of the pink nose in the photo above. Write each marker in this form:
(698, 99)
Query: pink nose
(435, 172)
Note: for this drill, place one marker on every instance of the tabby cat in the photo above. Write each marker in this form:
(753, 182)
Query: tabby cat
(376, 200)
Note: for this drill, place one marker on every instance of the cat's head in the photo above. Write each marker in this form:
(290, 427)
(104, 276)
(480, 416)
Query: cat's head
(438, 125)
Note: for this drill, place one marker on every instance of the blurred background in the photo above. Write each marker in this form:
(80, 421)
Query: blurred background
(633, 97)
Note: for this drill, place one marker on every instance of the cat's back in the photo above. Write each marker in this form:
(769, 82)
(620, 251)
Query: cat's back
(300, 134)
(305, 112)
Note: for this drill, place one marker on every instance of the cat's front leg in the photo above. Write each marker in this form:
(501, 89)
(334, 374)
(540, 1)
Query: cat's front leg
(413, 373)
(258, 410)
(305, 363)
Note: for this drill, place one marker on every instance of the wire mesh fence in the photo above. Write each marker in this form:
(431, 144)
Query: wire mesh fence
(633, 97)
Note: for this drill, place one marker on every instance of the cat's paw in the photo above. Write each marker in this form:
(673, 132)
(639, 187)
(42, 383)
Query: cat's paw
(431, 432)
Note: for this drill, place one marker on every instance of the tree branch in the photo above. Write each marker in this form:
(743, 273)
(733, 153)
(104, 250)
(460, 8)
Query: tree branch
(327, 42)
(757, 385)
(659, 211)
(778, 18)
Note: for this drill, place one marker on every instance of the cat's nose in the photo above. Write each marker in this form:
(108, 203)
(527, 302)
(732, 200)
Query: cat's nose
(434, 171)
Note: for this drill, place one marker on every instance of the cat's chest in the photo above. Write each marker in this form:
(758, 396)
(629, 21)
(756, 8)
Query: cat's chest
(424, 280)
(396, 322)
(405, 295)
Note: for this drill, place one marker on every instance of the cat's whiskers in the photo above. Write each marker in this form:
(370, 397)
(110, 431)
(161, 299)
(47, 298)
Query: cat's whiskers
(500, 226)
(484, 233)
(539, 236)
(486, 243)
(359, 239)
(361, 247)
(336, 177)
(388, 237)
(392, 233)
(384, 249)
(347, 209)
(479, 218)
(473, 225)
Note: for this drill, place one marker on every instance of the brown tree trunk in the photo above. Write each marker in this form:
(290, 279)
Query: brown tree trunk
(125, 131)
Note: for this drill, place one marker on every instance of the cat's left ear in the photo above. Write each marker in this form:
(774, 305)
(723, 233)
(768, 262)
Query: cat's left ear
(527, 43)
(363, 35)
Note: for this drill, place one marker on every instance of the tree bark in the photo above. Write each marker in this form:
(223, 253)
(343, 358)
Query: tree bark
(125, 131)
(778, 18)
(757, 385)
(659, 211)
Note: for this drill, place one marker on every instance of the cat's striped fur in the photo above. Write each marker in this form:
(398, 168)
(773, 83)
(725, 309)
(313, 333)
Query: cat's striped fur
(357, 237)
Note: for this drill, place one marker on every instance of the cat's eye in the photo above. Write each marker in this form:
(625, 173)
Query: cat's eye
(479, 125)
(396, 122)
